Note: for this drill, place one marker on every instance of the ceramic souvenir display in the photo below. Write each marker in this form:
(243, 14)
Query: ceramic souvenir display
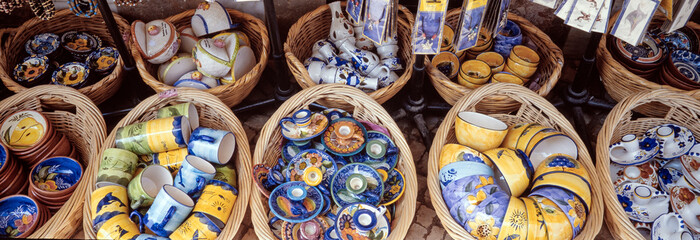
(512, 171)
(32, 71)
(508, 37)
(641, 202)
(53, 180)
(674, 140)
(355, 183)
(363, 221)
(313, 167)
(211, 17)
(380, 152)
(172, 70)
(303, 125)
(344, 137)
(72, 74)
(646, 173)
(20, 215)
(103, 60)
(43, 44)
(633, 150)
(479, 131)
(670, 226)
(157, 40)
(295, 202)
(80, 44)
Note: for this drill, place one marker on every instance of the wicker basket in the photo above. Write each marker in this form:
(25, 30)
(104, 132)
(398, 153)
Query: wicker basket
(11, 51)
(533, 108)
(213, 114)
(549, 68)
(86, 130)
(267, 150)
(230, 94)
(315, 26)
(621, 83)
(678, 109)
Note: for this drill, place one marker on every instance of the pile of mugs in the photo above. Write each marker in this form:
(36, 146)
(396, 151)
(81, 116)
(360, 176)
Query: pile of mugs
(20, 215)
(87, 63)
(666, 58)
(656, 176)
(336, 178)
(522, 181)
(205, 55)
(509, 61)
(347, 56)
(194, 204)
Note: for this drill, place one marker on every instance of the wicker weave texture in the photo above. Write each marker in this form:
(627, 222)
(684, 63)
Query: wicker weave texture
(65, 20)
(678, 108)
(315, 26)
(84, 126)
(212, 114)
(534, 109)
(267, 150)
(230, 94)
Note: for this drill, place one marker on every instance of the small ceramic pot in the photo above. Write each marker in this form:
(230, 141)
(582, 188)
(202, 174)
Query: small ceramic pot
(72, 74)
(117, 166)
(366, 218)
(194, 175)
(32, 71)
(210, 18)
(447, 63)
(303, 125)
(170, 208)
(295, 202)
(475, 72)
(674, 140)
(56, 177)
(216, 146)
(171, 133)
(44, 44)
(479, 131)
(183, 109)
(670, 226)
(507, 38)
(520, 70)
(145, 186)
(107, 202)
(563, 163)
(524, 56)
(157, 40)
(484, 43)
(102, 61)
(363, 61)
(493, 59)
(80, 44)
(355, 183)
(325, 49)
(570, 204)
(513, 170)
(345, 137)
(393, 63)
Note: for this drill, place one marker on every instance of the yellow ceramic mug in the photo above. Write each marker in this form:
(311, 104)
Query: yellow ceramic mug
(479, 131)
(108, 202)
(197, 226)
(217, 200)
(119, 227)
(515, 222)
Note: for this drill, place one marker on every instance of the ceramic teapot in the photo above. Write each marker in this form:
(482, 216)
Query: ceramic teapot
(157, 41)
(211, 17)
(188, 40)
(670, 226)
(223, 56)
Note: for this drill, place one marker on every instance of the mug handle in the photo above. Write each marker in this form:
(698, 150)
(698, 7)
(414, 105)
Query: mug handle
(282, 163)
(285, 119)
(273, 220)
(136, 214)
(136, 204)
(201, 181)
(169, 215)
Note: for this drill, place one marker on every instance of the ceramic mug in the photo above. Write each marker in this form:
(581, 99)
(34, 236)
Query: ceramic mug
(194, 173)
(183, 109)
(213, 145)
(197, 226)
(107, 202)
(145, 186)
(118, 227)
(169, 210)
(172, 160)
(226, 173)
(217, 200)
(154, 136)
(117, 166)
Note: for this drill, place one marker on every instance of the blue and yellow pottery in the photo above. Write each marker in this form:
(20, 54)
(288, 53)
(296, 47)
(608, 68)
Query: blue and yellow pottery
(394, 186)
(555, 220)
(19, 215)
(513, 170)
(216, 146)
(451, 153)
(118, 227)
(107, 202)
(479, 131)
(345, 137)
(32, 71)
(56, 174)
(103, 60)
(362, 221)
(217, 200)
(536, 228)
(295, 202)
(197, 226)
(72, 74)
(357, 182)
(154, 136)
(43, 44)
(574, 183)
(193, 175)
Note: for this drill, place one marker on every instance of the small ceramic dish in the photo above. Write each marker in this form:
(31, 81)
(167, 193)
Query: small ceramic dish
(72, 74)
(311, 158)
(24, 130)
(451, 153)
(361, 220)
(550, 145)
(493, 59)
(569, 181)
(555, 220)
(312, 229)
(570, 204)
(671, 175)
(345, 137)
(20, 215)
(685, 202)
(486, 218)
(80, 44)
(43, 44)
(674, 140)
(475, 71)
(303, 126)
(394, 186)
(642, 203)
(479, 187)
(507, 77)
(357, 182)
(103, 60)
(633, 150)
(525, 56)
(447, 63)
(519, 69)
(479, 131)
(171, 71)
(670, 226)
(295, 202)
(56, 174)
(32, 71)
(513, 170)
(687, 63)
(380, 151)
(649, 52)
(458, 170)
(645, 173)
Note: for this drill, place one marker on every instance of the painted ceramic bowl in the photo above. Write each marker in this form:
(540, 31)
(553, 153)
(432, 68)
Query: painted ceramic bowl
(295, 202)
(156, 40)
(476, 72)
(458, 170)
(103, 60)
(32, 71)
(536, 226)
(506, 77)
(345, 137)
(548, 145)
(479, 187)
(266, 179)
(493, 59)
(681, 39)
(519, 69)
(451, 153)
(72, 74)
(514, 133)
(360, 221)
(513, 171)
(80, 44)
(555, 220)
(524, 56)
(43, 44)
(479, 131)
(197, 80)
(487, 218)
(448, 35)
(301, 127)
(171, 71)
(507, 38)
(312, 229)
(211, 17)
(524, 139)
(215, 57)
(515, 220)
(570, 204)
(484, 42)
(57, 174)
(24, 130)
(569, 181)
(447, 63)
(20, 216)
(355, 183)
(299, 167)
(649, 52)
(562, 163)
(394, 186)
(687, 63)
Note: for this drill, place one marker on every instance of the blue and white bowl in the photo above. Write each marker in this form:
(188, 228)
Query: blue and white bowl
(43, 44)
(19, 216)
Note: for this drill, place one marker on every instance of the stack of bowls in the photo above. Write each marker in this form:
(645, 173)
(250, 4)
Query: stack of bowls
(539, 142)
(52, 181)
(474, 73)
(507, 38)
(643, 60)
(30, 137)
(522, 62)
(483, 44)
(12, 174)
(21, 215)
(682, 70)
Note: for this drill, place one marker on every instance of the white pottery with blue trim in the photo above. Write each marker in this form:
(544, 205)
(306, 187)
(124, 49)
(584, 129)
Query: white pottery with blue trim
(211, 17)
(341, 29)
(156, 40)
(670, 226)
(213, 145)
(172, 70)
(170, 208)
(315, 67)
(674, 140)
(193, 175)
(633, 150)
(384, 75)
(641, 202)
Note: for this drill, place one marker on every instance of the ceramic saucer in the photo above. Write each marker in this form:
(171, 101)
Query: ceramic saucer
(292, 231)
(72, 74)
(345, 137)
(682, 136)
(636, 211)
(361, 220)
(671, 175)
(290, 149)
(357, 182)
(645, 173)
(335, 113)
(33, 69)
(380, 150)
(648, 148)
(264, 181)
(317, 124)
(393, 187)
(295, 202)
(312, 158)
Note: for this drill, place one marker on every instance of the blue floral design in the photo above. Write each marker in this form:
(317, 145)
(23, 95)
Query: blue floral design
(625, 202)
(471, 158)
(665, 176)
(648, 144)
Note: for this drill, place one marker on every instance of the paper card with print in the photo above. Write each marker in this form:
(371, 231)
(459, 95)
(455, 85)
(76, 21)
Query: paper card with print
(564, 9)
(502, 16)
(547, 3)
(427, 30)
(354, 9)
(470, 23)
(601, 21)
(634, 20)
(376, 16)
(584, 14)
(683, 14)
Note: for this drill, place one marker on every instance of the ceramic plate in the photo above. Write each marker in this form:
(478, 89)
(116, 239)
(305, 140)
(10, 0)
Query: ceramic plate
(372, 194)
(676, 40)
(389, 160)
(318, 124)
(72, 74)
(295, 211)
(23, 129)
(636, 212)
(348, 230)
(645, 173)
(345, 147)
(394, 187)
(17, 214)
(312, 158)
(103, 59)
(681, 136)
(80, 42)
(648, 148)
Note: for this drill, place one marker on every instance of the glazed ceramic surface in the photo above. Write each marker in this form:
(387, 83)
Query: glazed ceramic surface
(118, 227)
(335, 113)
(479, 131)
(508, 37)
(172, 70)
(194, 173)
(42, 44)
(670, 226)
(197, 226)
(314, 126)
(570, 204)
(451, 153)
(562, 163)
(170, 208)
(312, 158)
(536, 228)
(678, 40)
(342, 186)
(458, 170)
(154, 136)
(57, 174)
(217, 200)
(156, 40)
(645, 173)
(471, 191)
(641, 202)
(117, 166)
(685, 203)
(687, 63)
(72, 74)
(183, 109)
(213, 145)
(211, 17)
(380, 151)
(18, 214)
(513, 171)
(103, 60)
(312, 229)
(671, 175)
(394, 186)
(574, 183)
(345, 137)
(362, 221)
(447, 63)
(266, 179)
(678, 143)
(80, 44)
(691, 169)
(215, 57)
(647, 52)
(306, 207)
(557, 223)
(33, 69)
(634, 150)
(107, 202)
(515, 221)
(487, 219)
(539, 150)
(144, 187)
(24, 129)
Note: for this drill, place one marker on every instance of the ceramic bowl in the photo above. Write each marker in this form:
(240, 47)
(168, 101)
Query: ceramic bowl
(171, 71)
(156, 40)
(549, 132)
(20, 215)
(462, 169)
(448, 36)
(80, 44)
(213, 57)
(519, 69)
(572, 182)
(447, 63)
(484, 42)
(507, 77)
(479, 131)
(562, 163)
(487, 217)
(103, 60)
(462, 81)
(514, 133)
(26, 129)
(32, 71)
(513, 170)
(344, 137)
(493, 59)
(570, 204)
(451, 153)
(555, 220)
(688, 64)
(648, 52)
(524, 56)
(394, 187)
(56, 176)
(541, 148)
(507, 38)
(72, 74)
(210, 18)
(515, 220)
(475, 71)
(681, 39)
(458, 190)
(43, 44)
(536, 226)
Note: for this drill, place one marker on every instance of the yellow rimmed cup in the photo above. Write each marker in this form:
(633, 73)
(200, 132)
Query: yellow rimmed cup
(493, 59)
(524, 56)
(479, 131)
(447, 63)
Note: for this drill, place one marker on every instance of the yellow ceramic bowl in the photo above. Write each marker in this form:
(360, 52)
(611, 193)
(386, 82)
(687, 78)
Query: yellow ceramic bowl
(484, 42)
(514, 131)
(572, 182)
(519, 69)
(527, 135)
(448, 35)
(447, 63)
(548, 144)
(535, 220)
(515, 221)
(555, 220)
(562, 163)
(545, 133)
(475, 71)
(493, 59)
(513, 171)
(454, 153)
(508, 70)
(524, 56)
(468, 84)
(507, 77)
(479, 131)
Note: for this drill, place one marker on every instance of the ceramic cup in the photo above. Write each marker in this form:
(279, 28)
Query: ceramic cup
(145, 236)
(226, 173)
(513, 170)
(479, 131)
(474, 73)
(117, 166)
(524, 56)
(217, 200)
(145, 186)
(493, 59)
(216, 146)
(197, 226)
(519, 69)
(183, 109)
(193, 175)
(507, 77)
(170, 208)
(447, 63)
(670, 226)
(210, 18)
(118, 227)
(107, 202)
(171, 159)
(154, 136)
